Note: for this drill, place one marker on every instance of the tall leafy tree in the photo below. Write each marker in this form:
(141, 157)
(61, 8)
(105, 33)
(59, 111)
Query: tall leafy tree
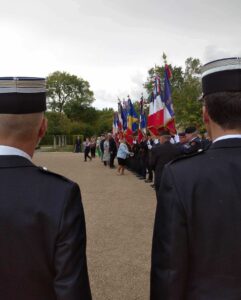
(187, 107)
(58, 124)
(104, 120)
(66, 91)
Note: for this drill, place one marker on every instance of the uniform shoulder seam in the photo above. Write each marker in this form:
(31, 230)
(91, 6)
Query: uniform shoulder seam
(48, 172)
(182, 157)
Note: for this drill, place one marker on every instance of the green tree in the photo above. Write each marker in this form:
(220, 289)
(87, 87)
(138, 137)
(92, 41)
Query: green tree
(65, 89)
(58, 123)
(88, 130)
(77, 128)
(188, 109)
(83, 114)
(104, 121)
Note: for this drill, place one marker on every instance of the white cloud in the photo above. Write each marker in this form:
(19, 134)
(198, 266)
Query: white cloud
(213, 52)
(113, 44)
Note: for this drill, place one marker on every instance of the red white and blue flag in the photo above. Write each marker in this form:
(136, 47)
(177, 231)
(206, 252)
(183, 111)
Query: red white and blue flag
(116, 123)
(156, 108)
(142, 121)
(161, 113)
(169, 121)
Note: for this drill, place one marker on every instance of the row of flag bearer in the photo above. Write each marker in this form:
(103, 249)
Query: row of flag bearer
(126, 121)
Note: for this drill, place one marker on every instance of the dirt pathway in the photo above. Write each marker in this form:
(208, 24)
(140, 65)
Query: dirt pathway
(119, 218)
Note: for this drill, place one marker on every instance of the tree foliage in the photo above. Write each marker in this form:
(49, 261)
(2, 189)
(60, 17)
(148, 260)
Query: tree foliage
(70, 111)
(58, 124)
(66, 91)
(105, 120)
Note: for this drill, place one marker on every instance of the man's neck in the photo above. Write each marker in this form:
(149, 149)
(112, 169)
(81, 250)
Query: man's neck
(222, 132)
(25, 147)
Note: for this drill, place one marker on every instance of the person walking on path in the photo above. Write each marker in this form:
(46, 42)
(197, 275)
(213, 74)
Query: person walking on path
(92, 147)
(87, 150)
(42, 223)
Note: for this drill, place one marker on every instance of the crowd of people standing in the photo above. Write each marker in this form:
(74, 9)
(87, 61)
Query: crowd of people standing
(147, 157)
(152, 153)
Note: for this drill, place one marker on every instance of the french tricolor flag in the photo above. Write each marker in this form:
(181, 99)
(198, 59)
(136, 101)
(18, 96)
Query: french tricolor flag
(169, 121)
(156, 109)
(161, 113)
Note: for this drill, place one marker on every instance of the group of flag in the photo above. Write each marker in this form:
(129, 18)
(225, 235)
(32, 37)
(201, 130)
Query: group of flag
(127, 123)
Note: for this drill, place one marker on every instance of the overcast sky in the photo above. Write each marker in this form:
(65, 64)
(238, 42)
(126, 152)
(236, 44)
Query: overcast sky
(113, 43)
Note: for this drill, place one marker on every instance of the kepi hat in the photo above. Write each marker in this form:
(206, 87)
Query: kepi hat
(22, 95)
(223, 75)
(182, 133)
(164, 132)
(190, 129)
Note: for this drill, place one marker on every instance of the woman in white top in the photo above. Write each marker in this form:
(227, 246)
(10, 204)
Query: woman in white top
(106, 156)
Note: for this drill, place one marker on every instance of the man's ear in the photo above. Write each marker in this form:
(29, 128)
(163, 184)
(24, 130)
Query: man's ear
(43, 128)
(206, 118)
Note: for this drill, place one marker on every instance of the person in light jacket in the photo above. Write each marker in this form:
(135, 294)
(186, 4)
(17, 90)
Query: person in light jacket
(122, 155)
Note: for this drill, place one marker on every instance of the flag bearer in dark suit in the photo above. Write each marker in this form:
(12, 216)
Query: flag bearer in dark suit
(196, 250)
(161, 155)
(194, 143)
(42, 225)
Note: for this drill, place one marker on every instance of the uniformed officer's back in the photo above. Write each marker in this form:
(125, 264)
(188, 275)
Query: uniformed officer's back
(42, 225)
(214, 225)
(197, 236)
(31, 212)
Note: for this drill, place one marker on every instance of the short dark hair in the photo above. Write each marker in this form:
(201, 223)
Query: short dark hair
(224, 108)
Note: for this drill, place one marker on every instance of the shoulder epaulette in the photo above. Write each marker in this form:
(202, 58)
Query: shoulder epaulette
(200, 151)
(46, 171)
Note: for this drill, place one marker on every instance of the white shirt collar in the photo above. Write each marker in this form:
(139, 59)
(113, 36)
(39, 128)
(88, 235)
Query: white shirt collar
(227, 136)
(193, 138)
(6, 150)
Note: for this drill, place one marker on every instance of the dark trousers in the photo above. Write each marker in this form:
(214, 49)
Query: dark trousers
(87, 154)
(142, 167)
(92, 151)
(112, 158)
(150, 173)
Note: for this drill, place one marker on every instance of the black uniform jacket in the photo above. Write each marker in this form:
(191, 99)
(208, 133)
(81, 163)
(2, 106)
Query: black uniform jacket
(161, 155)
(112, 146)
(42, 234)
(193, 146)
(196, 251)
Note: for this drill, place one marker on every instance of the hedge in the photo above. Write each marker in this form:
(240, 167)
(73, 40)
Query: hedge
(48, 140)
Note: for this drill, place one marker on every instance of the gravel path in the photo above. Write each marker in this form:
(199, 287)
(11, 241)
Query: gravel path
(119, 214)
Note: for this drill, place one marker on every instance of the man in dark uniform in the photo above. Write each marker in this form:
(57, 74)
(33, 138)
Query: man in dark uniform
(143, 157)
(42, 225)
(194, 142)
(135, 159)
(149, 168)
(161, 155)
(196, 250)
(182, 138)
(182, 141)
(112, 150)
(102, 146)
